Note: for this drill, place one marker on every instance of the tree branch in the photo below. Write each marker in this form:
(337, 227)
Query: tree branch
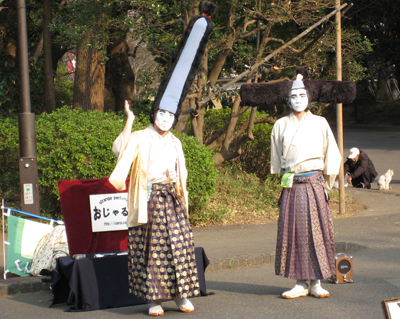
(257, 65)
(252, 32)
(224, 154)
(248, 23)
(222, 130)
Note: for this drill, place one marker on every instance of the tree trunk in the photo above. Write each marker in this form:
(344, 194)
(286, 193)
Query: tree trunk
(382, 93)
(49, 95)
(198, 117)
(89, 79)
(181, 125)
(120, 75)
(224, 153)
(222, 55)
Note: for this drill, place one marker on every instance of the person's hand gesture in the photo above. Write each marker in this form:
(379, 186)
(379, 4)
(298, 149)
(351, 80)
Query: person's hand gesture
(128, 112)
(126, 132)
(349, 180)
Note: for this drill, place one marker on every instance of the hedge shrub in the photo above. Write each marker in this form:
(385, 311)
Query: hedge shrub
(202, 172)
(72, 144)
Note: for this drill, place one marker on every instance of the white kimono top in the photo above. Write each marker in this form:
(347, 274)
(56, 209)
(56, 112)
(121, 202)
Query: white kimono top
(303, 146)
(137, 155)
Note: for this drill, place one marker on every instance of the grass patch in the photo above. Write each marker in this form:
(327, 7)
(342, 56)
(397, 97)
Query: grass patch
(240, 198)
(243, 198)
(334, 197)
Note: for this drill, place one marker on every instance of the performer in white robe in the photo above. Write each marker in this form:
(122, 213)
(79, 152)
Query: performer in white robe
(303, 146)
(302, 143)
(304, 151)
(161, 259)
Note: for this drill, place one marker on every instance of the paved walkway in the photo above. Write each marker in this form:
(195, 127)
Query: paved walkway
(371, 236)
(243, 245)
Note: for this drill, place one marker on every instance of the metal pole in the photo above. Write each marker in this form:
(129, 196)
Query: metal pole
(339, 108)
(26, 121)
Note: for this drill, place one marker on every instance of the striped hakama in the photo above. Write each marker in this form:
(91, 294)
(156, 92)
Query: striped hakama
(305, 248)
(161, 259)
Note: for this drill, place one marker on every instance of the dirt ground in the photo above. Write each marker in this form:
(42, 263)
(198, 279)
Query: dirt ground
(350, 209)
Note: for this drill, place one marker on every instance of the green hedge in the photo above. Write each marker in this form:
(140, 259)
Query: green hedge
(202, 172)
(72, 144)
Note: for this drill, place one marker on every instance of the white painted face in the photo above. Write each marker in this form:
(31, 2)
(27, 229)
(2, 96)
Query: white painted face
(298, 100)
(164, 120)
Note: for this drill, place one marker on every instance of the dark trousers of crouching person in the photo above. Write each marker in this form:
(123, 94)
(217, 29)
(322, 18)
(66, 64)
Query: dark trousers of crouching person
(366, 178)
(161, 259)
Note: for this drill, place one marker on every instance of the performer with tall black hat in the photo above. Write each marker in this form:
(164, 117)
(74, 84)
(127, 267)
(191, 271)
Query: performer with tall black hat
(304, 151)
(161, 256)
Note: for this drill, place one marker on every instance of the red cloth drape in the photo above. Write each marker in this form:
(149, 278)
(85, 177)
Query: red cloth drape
(75, 205)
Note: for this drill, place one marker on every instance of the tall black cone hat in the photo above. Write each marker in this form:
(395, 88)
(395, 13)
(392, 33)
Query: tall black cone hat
(185, 63)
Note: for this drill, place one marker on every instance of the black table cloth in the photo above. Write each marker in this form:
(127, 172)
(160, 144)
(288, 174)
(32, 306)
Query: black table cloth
(100, 283)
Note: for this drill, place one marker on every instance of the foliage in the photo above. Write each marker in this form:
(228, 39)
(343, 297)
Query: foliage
(9, 186)
(141, 109)
(202, 173)
(98, 20)
(10, 95)
(159, 24)
(105, 20)
(322, 58)
(240, 198)
(72, 144)
(279, 22)
(9, 63)
(64, 88)
(378, 22)
(94, 27)
(255, 157)
(9, 83)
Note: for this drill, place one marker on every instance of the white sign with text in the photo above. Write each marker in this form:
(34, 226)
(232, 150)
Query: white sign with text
(109, 212)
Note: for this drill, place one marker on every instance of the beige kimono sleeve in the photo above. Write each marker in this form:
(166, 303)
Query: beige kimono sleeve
(125, 159)
(276, 150)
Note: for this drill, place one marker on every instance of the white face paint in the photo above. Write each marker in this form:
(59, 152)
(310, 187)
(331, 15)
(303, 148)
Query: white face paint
(298, 100)
(164, 120)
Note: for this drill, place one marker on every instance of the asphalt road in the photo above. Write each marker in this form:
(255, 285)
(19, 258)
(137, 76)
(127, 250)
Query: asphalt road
(254, 292)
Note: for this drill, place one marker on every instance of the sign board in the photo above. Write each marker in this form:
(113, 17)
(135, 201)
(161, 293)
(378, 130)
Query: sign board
(109, 212)
(391, 308)
(28, 194)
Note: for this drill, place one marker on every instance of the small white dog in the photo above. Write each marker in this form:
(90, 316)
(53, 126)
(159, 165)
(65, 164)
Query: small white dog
(384, 180)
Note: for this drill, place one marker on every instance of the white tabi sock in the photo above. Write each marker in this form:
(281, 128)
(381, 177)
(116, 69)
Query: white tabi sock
(317, 291)
(156, 309)
(184, 304)
(299, 290)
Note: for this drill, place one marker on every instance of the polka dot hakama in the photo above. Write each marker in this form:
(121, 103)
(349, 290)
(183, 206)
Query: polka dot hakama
(161, 259)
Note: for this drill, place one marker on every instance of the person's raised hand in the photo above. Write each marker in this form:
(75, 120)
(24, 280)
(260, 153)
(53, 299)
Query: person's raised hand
(128, 112)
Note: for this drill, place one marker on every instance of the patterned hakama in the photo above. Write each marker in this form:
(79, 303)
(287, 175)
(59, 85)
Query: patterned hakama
(161, 259)
(305, 246)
